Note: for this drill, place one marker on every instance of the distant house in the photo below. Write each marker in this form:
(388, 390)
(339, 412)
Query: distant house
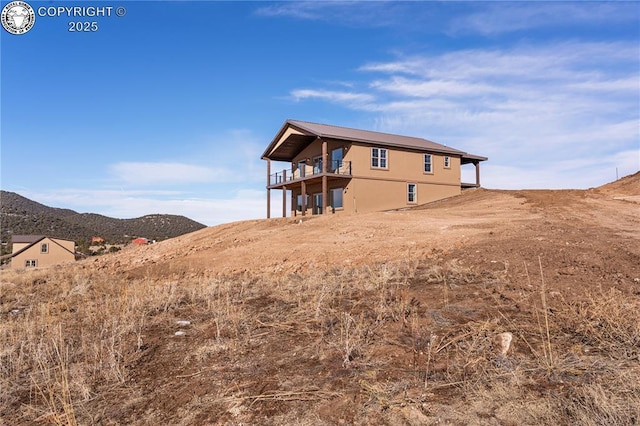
(140, 241)
(36, 251)
(97, 240)
(337, 169)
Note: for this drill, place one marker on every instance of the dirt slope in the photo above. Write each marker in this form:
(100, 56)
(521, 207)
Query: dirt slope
(512, 221)
(384, 318)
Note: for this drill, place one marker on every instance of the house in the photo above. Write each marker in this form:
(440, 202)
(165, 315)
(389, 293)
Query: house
(140, 241)
(337, 169)
(97, 240)
(31, 251)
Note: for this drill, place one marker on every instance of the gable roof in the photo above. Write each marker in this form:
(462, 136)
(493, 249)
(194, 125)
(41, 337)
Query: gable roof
(304, 133)
(32, 240)
(26, 238)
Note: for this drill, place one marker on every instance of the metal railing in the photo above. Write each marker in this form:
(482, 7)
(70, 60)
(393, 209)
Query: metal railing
(336, 167)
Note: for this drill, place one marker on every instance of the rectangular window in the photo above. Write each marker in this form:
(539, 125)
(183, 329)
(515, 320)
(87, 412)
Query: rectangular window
(336, 160)
(379, 158)
(299, 203)
(302, 165)
(412, 193)
(29, 263)
(44, 248)
(427, 163)
(317, 165)
(447, 162)
(336, 198)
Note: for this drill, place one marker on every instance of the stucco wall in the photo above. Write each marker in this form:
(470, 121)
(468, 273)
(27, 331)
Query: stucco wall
(404, 165)
(375, 189)
(55, 255)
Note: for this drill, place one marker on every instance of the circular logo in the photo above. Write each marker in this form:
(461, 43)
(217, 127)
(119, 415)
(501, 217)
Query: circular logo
(18, 17)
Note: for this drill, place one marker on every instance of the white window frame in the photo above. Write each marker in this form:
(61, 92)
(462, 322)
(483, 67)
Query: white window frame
(380, 156)
(412, 194)
(447, 162)
(30, 263)
(44, 248)
(429, 163)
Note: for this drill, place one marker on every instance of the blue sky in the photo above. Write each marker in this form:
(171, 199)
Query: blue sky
(168, 108)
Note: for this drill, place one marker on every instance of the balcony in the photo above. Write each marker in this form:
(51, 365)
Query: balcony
(335, 168)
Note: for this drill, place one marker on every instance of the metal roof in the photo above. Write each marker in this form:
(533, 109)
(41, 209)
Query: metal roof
(295, 143)
(26, 238)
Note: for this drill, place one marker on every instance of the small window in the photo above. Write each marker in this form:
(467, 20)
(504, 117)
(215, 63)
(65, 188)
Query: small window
(44, 248)
(427, 163)
(336, 198)
(30, 263)
(447, 162)
(379, 158)
(412, 193)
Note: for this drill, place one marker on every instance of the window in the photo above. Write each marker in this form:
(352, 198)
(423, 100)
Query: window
(412, 193)
(29, 263)
(336, 160)
(44, 248)
(427, 163)
(336, 198)
(299, 203)
(302, 165)
(317, 165)
(379, 158)
(447, 162)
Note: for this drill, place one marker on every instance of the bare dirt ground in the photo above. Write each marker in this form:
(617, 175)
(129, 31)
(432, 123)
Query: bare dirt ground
(482, 217)
(381, 318)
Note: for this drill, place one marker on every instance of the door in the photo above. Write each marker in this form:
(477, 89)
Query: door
(317, 165)
(317, 203)
(336, 160)
(301, 168)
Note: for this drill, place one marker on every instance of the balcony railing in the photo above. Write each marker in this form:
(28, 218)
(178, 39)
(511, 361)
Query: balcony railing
(342, 168)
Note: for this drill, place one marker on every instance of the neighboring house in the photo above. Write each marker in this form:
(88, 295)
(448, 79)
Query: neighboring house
(36, 251)
(342, 169)
(140, 241)
(97, 240)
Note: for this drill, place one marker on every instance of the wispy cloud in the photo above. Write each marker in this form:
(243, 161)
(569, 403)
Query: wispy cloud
(483, 18)
(505, 17)
(548, 108)
(150, 174)
(232, 206)
(374, 14)
(348, 97)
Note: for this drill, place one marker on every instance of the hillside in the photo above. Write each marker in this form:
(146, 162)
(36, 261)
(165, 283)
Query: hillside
(490, 308)
(19, 215)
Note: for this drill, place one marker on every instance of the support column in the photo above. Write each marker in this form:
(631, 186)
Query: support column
(477, 164)
(284, 201)
(324, 176)
(284, 194)
(303, 207)
(268, 190)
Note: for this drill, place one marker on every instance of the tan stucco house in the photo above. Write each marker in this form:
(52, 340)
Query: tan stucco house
(37, 251)
(338, 169)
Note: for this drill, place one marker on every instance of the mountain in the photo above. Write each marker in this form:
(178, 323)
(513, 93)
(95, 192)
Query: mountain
(20, 215)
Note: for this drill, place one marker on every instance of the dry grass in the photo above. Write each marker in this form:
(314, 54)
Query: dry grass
(411, 342)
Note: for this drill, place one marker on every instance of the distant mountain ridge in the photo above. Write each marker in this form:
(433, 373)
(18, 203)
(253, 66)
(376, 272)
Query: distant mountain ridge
(20, 215)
